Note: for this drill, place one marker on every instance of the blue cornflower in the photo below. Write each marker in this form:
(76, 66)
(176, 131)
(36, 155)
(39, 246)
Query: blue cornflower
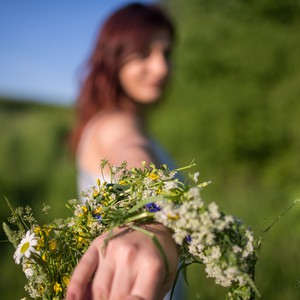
(188, 238)
(98, 217)
(152, 207)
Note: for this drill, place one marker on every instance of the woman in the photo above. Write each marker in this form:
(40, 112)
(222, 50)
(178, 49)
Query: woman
(127, 72)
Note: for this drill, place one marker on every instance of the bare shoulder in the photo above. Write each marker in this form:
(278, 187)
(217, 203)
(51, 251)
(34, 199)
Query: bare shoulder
(118, 137)
(117, 129)
(114, 118)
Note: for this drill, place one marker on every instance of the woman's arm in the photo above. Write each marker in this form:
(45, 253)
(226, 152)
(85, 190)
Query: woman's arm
(131, 265)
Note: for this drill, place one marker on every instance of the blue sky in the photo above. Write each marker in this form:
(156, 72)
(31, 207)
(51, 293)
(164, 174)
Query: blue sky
(44, 42)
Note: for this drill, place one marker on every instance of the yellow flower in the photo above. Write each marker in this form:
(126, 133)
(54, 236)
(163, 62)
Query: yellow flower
(173, 217)
(52, 245)
(44, 257)
(153, 176)
(41, 289)
(66, 280)
(98, 210)
(84, 208)
(37, 230)
(57, 287)
(95, 193)
(122, 182)
(47, 230)
(41, 243)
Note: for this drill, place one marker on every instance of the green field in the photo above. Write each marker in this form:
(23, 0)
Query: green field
(233, 107)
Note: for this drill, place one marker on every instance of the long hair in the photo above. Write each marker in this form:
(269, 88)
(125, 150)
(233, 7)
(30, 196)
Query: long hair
(126, 31)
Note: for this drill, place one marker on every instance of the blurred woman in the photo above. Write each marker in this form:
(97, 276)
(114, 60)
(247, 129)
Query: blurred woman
(126, 73)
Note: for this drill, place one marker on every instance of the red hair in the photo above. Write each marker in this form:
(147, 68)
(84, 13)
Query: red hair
(126, 31)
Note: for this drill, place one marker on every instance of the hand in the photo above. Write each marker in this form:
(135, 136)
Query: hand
(130, 267)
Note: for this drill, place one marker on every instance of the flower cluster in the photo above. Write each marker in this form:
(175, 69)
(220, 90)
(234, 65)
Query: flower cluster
(221, 242)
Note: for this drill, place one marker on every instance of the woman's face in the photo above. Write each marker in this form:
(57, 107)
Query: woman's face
(143, 75)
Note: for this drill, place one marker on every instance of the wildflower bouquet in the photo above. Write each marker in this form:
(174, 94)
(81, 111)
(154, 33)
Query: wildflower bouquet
(49, 253)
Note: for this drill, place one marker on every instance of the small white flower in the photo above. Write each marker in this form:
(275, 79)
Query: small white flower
(249, 248)
(170, 185)
(236, 249)
(214, 212)
(27, 268)
(28, 272)
(193, 193)
(26, 247)
(195, 177)
(215, 253)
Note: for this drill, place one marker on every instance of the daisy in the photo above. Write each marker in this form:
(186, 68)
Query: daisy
(25, 247)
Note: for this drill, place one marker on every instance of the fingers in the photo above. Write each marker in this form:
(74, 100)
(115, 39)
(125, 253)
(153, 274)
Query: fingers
(126, 271)
(80, 279)
(131, 268)
(149, 282)
(103, 279)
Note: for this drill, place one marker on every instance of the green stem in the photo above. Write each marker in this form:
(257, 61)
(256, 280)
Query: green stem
(279, 217)
(20, 223)
(139, 217)
(192, 164)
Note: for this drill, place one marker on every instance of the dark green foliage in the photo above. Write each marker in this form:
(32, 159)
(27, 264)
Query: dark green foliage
(33, 150)
(36, 167)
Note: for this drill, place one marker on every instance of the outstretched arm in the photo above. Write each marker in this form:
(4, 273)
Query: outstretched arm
(131, 265)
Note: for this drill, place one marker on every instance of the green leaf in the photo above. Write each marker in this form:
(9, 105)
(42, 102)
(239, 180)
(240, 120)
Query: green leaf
(10, 235)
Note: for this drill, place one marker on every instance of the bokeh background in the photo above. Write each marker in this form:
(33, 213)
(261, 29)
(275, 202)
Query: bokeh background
(233, 107)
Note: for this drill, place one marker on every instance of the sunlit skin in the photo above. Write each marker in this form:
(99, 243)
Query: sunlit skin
(144, 74)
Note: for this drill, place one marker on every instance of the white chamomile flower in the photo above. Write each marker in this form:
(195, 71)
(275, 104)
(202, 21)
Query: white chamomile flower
(26, 247)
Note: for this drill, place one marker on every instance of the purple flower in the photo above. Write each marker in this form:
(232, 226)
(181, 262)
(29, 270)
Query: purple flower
(188, 238)
(98, 217)
(152, 207)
